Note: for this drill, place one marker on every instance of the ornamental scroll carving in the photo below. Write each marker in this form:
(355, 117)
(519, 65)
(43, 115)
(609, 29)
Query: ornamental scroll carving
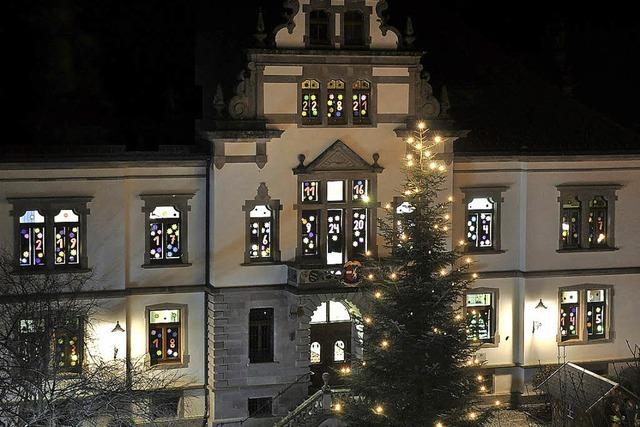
(243, 104)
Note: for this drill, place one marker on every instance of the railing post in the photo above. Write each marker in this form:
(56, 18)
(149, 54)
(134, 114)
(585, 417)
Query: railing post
(326, 394)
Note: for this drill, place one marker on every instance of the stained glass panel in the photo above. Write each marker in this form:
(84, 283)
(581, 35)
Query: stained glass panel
(571, 224)
(359, 232)
(260, 232)
(335, 237)
(310, 233)
(32, 239)
(480, 213)
(360, 100)
(336, 102)
(569, 311)
(596, 314)
(598, 222)
(310, 191)
(310, 102)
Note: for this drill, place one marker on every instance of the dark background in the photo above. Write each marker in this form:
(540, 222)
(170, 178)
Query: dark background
(124, 72)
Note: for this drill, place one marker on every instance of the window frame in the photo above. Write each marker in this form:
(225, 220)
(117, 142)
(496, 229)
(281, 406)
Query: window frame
(183, 341)
(495, 193)
(583, 338)
(259, 359)
(262, 198)
(347, 206)
(181, 203)
(365, 36)
(49, 207)
(495, 305)
(585, 194)
(331, 27)
(257, 399)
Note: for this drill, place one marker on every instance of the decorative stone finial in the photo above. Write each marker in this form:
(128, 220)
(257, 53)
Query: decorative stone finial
(260, 35)
(262, 194)
(218, 101)
(409, 34)
(445, 105)
(301, 159)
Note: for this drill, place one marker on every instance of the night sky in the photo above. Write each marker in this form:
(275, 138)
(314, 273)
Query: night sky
(123, 72)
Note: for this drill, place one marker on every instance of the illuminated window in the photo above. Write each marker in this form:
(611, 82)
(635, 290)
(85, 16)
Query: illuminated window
(68, 345)
(587, 214)
(261, 335)
(166, 223)
(584, 314)
(50, 233)
(336, 103)
(315, 356)
(335, 191)
(310, 103)
(262, 218)
(335, 236)
(338, 351)
(480, 223)
(331, 312)
(480, 313)
(165, 337)
(361, 102)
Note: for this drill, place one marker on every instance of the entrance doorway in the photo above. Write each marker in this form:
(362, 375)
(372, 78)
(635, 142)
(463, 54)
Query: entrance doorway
(331, 329)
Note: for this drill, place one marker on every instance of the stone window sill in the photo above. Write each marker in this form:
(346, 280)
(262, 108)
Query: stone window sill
(59, 270)
(583, 342)
(184, 363)
(485, 251)
(262, 263)
(176, 265)
(586, 250)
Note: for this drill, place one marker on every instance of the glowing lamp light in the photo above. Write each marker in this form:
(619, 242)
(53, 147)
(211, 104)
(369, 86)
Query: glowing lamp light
(410, 140)
(337, 407)
(367, 320)
(483, 388)
(447, 216)
(468, 260)
(378, 294)
(461, 242)
(458, 317)
(368, 253)
(473, 416)
(384, 344)
(387, 206)
(393, 276)
(497, 403)
(438, 139)
(379, 410)
(439, 424)
(474, 275)
(450, 198)
(422, 125)
(480, 378)
(370, 277)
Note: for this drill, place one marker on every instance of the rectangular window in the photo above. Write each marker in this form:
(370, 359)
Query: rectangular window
(584, 314)
(360, 190)
(165, 338)
(310, 192)
(310, 103)
(480, 223)
(261, 335)
(68, 345)
(164, 235)
(260, 219)
(571, 224)
(310, 233)
(598, 222)
(164, 405)
(480, 315)
(360, 100)
(360, 232)
(335, 191)
(354, 28)
(335, 236)
(66, 229)
(336, 102)
(31, 233)
(260, 407)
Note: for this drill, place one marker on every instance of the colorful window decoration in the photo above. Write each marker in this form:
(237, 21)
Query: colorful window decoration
(338, 351)
(598, 222)
(335, 237)
(596, 314)
(335, 191)
(570, 224)
(480, 313)
(164, 235)
(315, 353)
(360, 99)
(336, 97)
(32, 239)
(164, 336)
(67, 231)
(311, 102)
(68, 346)
(360, 190)
(359, 232)
(260, 232)
(310, 233)
(310, 192)
(480, 222)
(569, 312)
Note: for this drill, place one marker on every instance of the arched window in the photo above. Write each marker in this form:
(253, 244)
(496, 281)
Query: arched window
(260, 232)
(338, 351)
(331, 312)
(315, 353)
(319, 28)
(353, 29)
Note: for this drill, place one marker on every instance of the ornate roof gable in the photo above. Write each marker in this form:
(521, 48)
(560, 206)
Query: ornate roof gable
(338, 157)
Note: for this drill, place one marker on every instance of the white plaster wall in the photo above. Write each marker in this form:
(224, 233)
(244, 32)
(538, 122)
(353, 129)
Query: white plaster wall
(115, 225)
(280, 98)
(393, 98)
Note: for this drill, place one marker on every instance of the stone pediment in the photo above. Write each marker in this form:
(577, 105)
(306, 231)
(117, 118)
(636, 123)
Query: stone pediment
(338, 157)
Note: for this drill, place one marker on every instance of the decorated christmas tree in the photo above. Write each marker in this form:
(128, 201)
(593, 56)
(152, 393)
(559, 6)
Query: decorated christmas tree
(417, 367)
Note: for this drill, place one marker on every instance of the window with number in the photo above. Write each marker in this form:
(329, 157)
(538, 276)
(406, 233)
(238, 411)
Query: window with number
(261, 335)
(50, 233)
(336, 98)
(68, 345)
(480, 224)
(480, 312)
(360, 102)
(310, 103)
(587, 214)
(584, 314)
(262, 225)
(165, 336)
(58, 345)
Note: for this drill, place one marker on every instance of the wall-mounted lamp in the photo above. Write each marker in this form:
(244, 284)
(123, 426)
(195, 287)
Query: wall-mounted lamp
(536, 323)
(116, 329)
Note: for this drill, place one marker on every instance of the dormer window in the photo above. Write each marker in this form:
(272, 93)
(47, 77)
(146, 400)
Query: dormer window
(354, 29)
(319, 28)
